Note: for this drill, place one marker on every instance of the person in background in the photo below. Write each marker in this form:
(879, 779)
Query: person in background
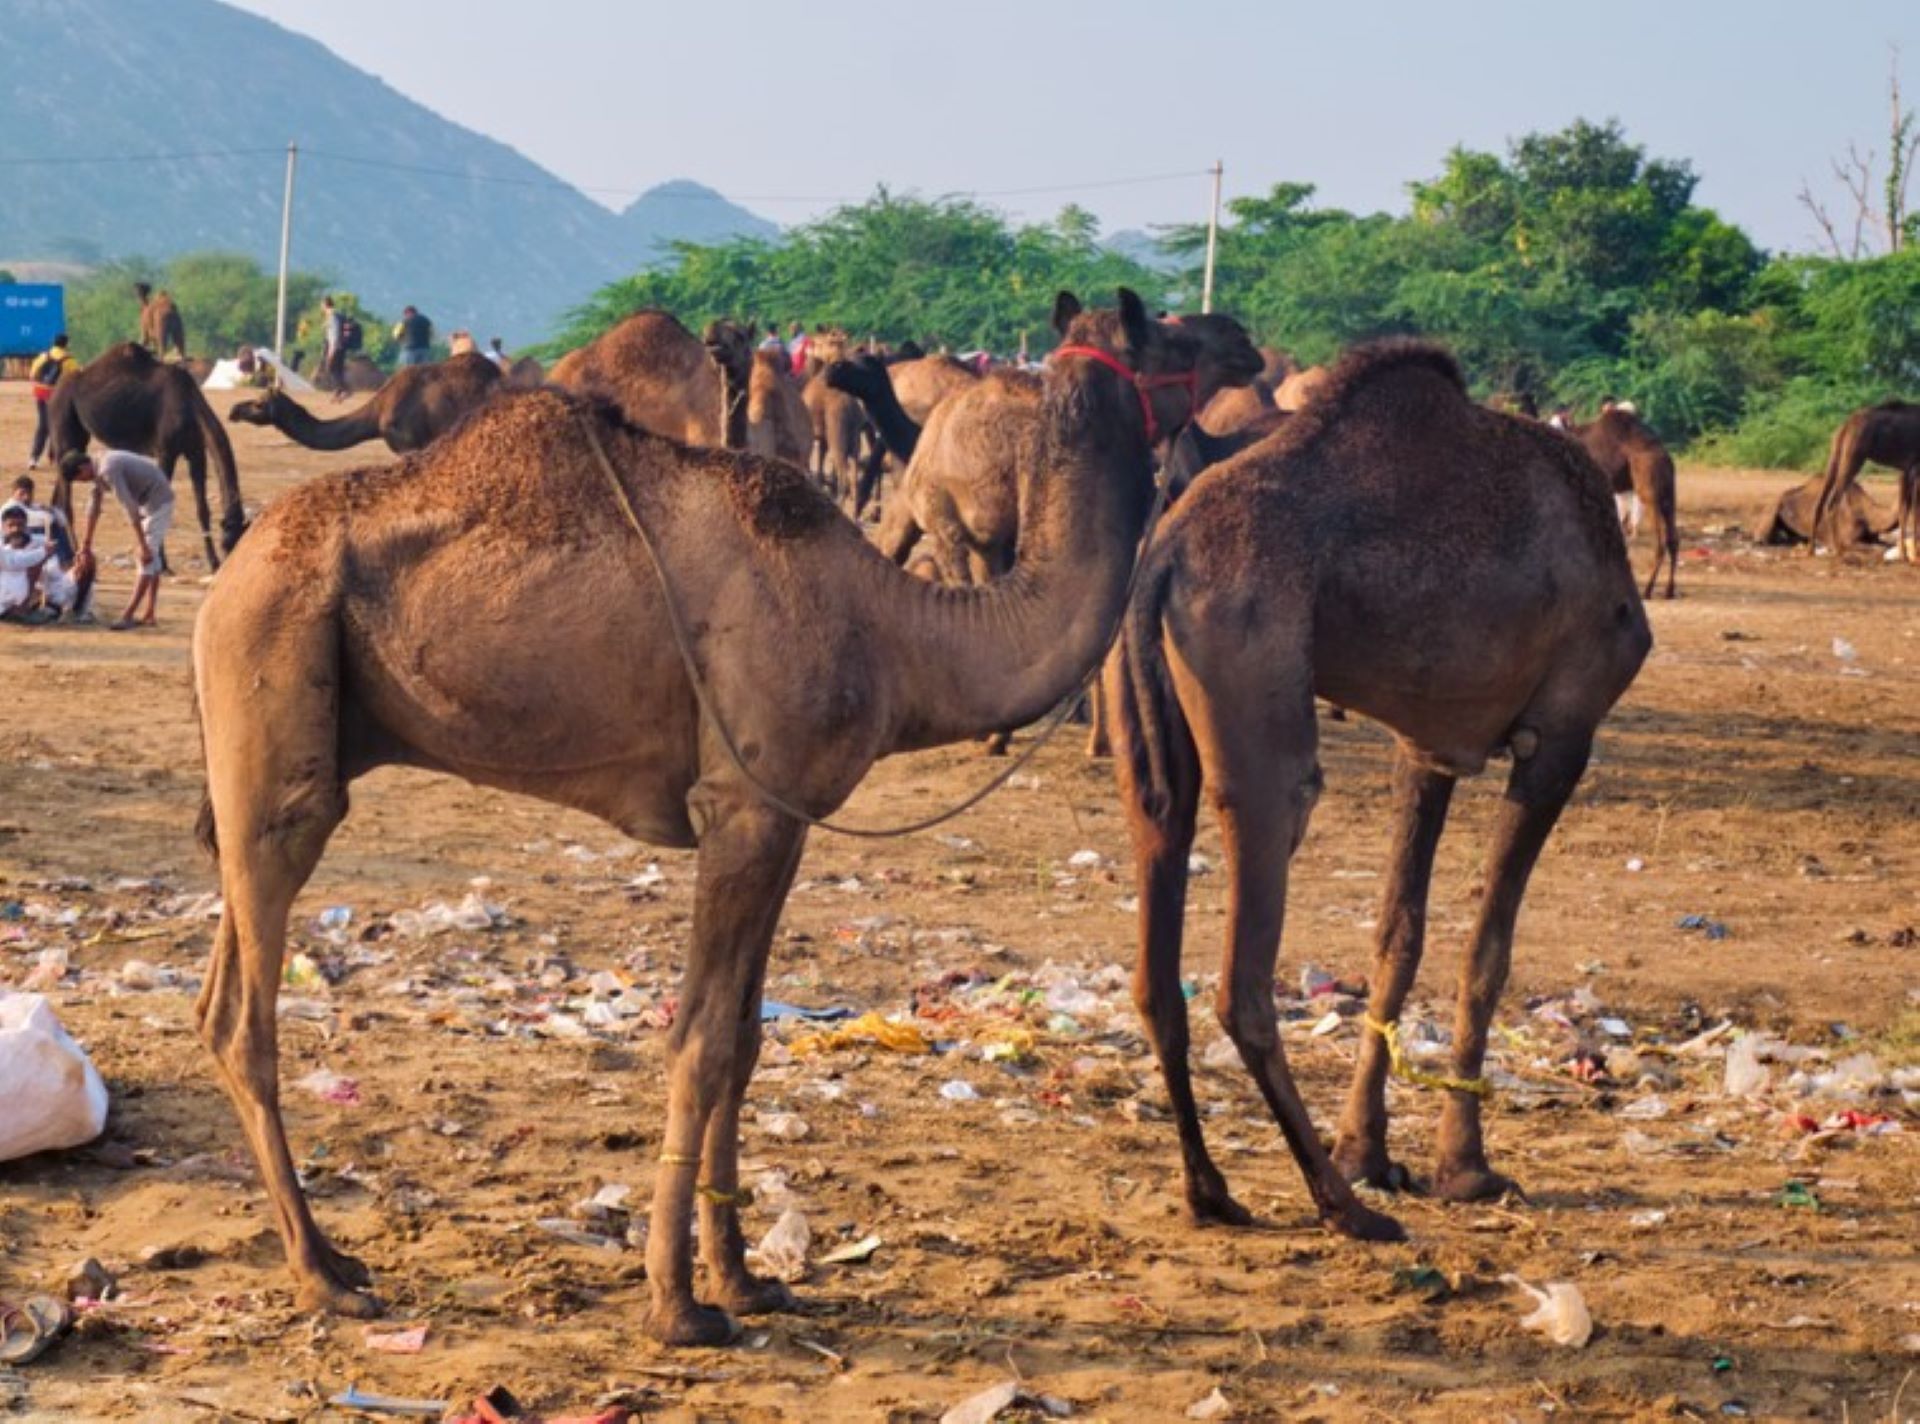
(771, 342)
(146, 494)
(333, 352)
(21, 564)
(797, 344)
(51, 367)
(497, 353)
(66, 579)
(414, 333)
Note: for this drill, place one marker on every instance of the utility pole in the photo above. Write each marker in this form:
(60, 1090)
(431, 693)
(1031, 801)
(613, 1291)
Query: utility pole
(1213, 239)
(286, 243)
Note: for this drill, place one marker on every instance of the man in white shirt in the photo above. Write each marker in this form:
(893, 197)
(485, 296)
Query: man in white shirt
(65, 578)
(147, 496)
(20, 565)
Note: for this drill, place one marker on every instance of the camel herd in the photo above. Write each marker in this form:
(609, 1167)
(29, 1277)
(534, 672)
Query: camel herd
(717, 624)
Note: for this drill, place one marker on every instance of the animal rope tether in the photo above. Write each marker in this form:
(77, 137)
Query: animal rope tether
(703, 694)
(1420, 1077)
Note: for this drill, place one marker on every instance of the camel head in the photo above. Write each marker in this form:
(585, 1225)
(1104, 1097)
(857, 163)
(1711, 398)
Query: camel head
(859, 376)
(261, 410)
(1165, 357)
(1228, 356)
(731, 347)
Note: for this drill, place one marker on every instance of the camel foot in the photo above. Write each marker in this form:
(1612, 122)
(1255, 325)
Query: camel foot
(1472, 1182)
(1368, 1162)
(996, 745)
(690, 1324)
(332, 1298)
(1362, 1222)
(1213, 1205)
(756, 1295)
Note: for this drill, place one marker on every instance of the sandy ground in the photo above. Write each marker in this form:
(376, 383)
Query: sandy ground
(1759, 777)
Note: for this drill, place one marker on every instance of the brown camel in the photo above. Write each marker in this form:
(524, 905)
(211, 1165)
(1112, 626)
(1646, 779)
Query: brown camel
(778, 425)
(1299, 388)
(131, 400)
(1789, 518)
(1886, 434)
(1334, 558)
(843, 454)
(1239, 408)
(1275, 366)
(663, 377)
(411, 411)
(362, 626)
(524, 374)
(1635, 462)
(161, 329)
(920, 384)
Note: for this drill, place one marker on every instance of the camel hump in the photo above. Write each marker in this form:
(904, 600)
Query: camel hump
(1390, 358)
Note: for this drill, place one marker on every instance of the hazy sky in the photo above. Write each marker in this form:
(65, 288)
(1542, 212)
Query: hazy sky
(818, 100)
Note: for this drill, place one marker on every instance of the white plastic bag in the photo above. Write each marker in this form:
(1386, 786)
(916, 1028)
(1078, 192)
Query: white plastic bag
(782, 1252)
(1562, 1315)
(53, 1096)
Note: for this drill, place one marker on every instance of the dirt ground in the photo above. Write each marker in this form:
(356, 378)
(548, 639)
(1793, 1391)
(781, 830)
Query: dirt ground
(1762, 774)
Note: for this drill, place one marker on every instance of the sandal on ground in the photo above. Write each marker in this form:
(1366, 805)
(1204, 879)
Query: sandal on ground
(29, 1327)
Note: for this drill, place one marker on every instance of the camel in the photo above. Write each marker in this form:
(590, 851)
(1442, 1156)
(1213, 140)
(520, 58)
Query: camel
(1239, 408)
(161, 329)
(524, 373)
(923, 382)
(1635, 462)
(412, 410)
(1789, 518)
(131, 400)
(1299, 388)
(1275, 366)
(866, 379)
(1886, 434)
(1332, 558)
(663, 378)
(840, 454)
(778, 423)
(362, 625)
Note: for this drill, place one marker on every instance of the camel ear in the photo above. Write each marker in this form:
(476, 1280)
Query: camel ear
(1066, 307)
(1133, 318)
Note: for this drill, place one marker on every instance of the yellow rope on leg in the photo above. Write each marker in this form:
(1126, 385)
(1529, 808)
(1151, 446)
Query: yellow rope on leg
(1420, 1077)
(724, 1198)
(678, 1159)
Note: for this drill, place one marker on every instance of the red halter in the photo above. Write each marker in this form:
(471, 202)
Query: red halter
(1142, 383)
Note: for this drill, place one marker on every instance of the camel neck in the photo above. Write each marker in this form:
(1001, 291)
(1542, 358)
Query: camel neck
(977, 660)
(357, 425)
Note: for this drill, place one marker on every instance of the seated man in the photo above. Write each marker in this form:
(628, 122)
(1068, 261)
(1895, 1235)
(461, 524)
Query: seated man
(146, 495)
(20, 563)
(65, 579)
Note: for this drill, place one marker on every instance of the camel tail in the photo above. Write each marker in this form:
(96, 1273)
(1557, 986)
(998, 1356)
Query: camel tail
(1146, 715)
(233, 510)
(204, 833)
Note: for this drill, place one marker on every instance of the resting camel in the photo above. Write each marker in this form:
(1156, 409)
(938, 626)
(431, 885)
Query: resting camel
(1789, 518)
(1333, 558)
(131, 400)
(1886, 434)
(1635, 462)
(161, 329)
(778, 425)
(663, 377)
(413, 409)
(360, 627)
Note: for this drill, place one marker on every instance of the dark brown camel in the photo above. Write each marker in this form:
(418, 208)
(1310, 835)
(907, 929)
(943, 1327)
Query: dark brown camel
(1886, 434)
(412, 410)
(161, 329)
(664, 378)
(922, 382)
(842, 455)
(1788, 519)
(1635, 462)
(131, 400)
(1334, 557)
(360, 628)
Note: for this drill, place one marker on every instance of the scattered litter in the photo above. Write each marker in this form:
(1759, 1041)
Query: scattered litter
(870, 1029)
(783, 1250)
(772, 1010)
(1746, 1075)
(1086, 860)
(356, 1398)
(472, 913)
(959, 1090)
(1645, 1109)
(48, 970)
(301, 974)
(90, 1281)
(1800, 1195)
(1214, 1406)
(330, 1087)
(562, 1229)
(53, 1094)
(853, 1253)
(1845, 651)
(990, 1403)
(1560, 1314)
(1635, 864)
(784, 1126)
(395, 1342)
(1327, 1024)
(1647, 1220)
(1615, 1028)
(1712, 928)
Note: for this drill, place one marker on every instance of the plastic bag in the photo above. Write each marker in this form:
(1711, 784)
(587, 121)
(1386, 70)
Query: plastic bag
(782, 1252)
(1562, 1314)
(53, 1094)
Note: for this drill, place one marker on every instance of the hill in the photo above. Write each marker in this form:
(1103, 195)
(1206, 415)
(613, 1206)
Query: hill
(395, 202)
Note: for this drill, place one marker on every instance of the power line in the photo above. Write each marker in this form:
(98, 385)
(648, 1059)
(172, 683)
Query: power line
(631, 191)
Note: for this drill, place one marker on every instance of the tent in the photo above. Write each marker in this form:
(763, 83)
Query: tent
(226, 375)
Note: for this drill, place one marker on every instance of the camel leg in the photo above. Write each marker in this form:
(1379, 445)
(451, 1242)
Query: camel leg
(272, 784)
(1907, 523)
(723, 1246)
(1161, 845)
(197, 477)
(1263, 772)
(1421, 797)
(747, 855)
(1537, 791)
